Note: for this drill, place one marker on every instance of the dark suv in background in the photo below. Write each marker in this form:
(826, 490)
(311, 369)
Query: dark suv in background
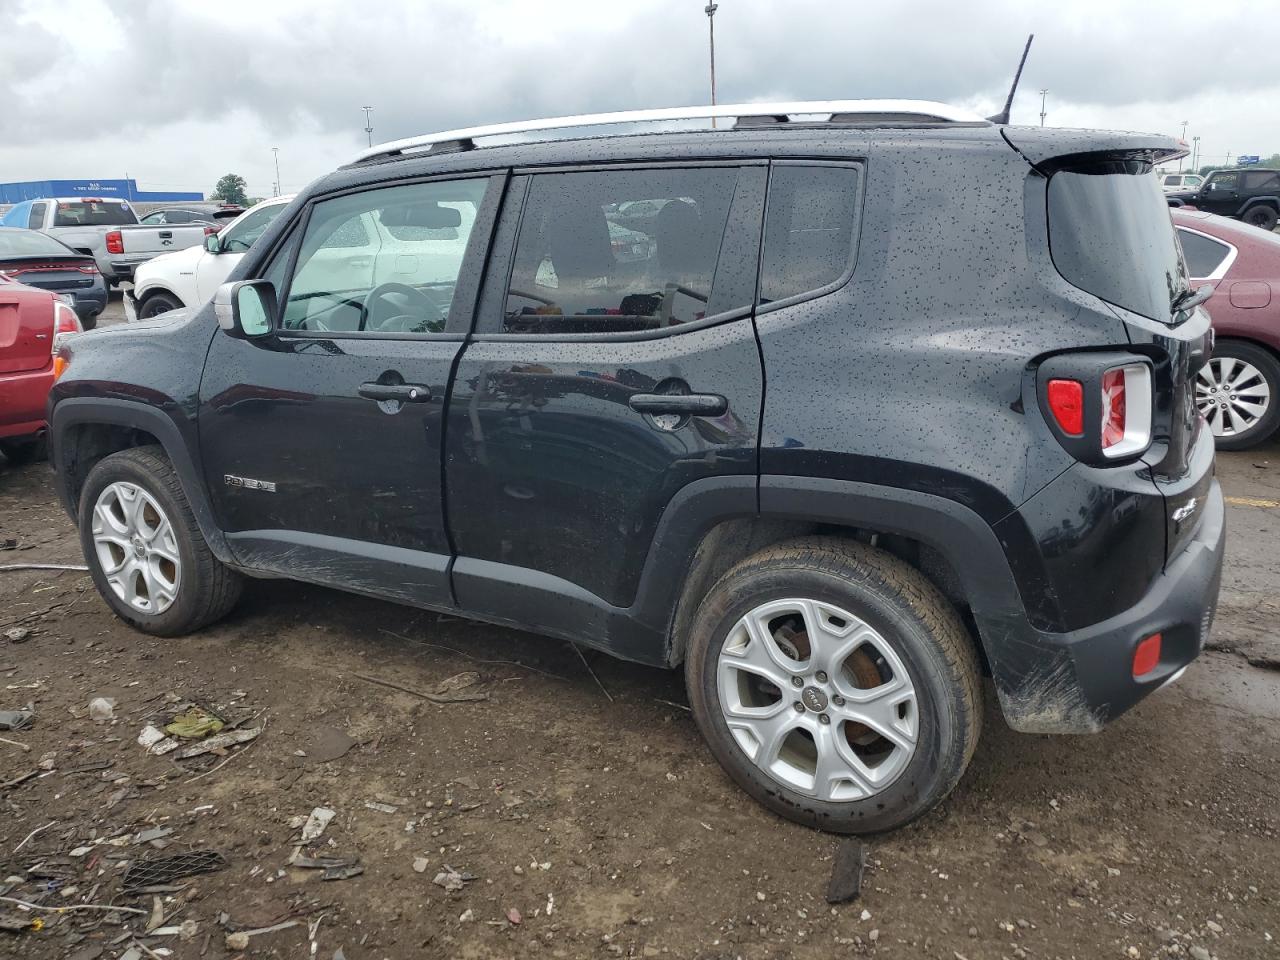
(887, 401)
(1250, 194)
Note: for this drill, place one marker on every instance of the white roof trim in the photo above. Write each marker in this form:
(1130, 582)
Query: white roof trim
(925, 109)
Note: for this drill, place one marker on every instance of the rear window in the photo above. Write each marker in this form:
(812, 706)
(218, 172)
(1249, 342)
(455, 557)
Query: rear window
(1110, 234)
(92, 213)
(29, 243)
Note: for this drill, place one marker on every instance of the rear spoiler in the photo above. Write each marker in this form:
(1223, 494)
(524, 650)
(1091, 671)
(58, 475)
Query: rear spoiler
(1050, 148)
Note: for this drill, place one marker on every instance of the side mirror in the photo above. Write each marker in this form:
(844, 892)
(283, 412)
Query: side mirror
(246, 309)
(212, 243)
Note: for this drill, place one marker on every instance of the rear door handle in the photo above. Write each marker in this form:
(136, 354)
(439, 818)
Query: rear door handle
(404, 392)
(685, 404)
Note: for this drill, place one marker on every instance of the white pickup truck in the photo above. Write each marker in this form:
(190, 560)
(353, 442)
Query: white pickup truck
(105, 229)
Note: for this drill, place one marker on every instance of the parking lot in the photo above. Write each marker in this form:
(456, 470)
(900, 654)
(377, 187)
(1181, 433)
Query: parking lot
(573, 804)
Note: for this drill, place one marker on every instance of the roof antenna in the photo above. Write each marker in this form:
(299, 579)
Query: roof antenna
(1003, 115)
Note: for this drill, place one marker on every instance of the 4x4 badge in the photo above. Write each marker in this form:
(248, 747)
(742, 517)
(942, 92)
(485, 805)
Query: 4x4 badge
(249, 483)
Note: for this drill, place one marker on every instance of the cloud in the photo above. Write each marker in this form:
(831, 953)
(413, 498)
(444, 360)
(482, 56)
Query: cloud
(186, 90)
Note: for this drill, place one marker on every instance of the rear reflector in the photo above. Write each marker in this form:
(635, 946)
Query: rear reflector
(1147, 657)
(1066, 400)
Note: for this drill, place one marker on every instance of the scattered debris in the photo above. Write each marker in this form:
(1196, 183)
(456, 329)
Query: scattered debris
(45, 566)
(240, 939)
(452, 879)
(153, 740)
(846, 873)
(380, 807)
(25, 748)
(321, 863)
(316, 823)
(33, 833)
(69, 908)
(432, 697)
(17, 634)
(326, 744)
(195, 724)
(583, 657)
(146, 873)
(102, 709)
(513, 915)
(342, 873)
(219, 742)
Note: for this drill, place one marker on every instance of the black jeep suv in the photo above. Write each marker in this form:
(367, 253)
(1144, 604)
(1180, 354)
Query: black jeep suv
(873, 406)
(1251, 194)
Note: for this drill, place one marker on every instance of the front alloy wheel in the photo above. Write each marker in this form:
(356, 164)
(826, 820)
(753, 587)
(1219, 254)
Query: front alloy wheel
(818, 699)
(136, 548)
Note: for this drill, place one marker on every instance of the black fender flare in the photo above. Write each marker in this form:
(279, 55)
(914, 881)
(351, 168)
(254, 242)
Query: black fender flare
(1272, 202)
(76, 411)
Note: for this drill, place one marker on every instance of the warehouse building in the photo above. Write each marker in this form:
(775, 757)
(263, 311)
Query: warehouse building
(11, 193)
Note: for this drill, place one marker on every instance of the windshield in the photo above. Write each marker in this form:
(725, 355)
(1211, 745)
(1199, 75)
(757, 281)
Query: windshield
(240, 237)
(29, 243)
(93, 213)
(1110, 234)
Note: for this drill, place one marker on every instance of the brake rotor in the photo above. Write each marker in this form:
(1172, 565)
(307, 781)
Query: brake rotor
(865, 676)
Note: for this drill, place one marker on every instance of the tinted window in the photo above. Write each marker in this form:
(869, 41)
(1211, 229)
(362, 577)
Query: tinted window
(97, 213)
(36, 220)
(1203, 255)
(590, 259)
(154, 218)
(1110, 234)
(241, 237)
(353, 274)
(808, 229)
(1262, 180)
(27, 243)
(178, 216)
(1228, 180)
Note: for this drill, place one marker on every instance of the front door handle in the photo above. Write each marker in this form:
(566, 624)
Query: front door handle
(403, 392)
(684, 404)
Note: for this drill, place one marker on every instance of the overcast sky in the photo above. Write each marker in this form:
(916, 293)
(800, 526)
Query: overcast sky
(176, 93)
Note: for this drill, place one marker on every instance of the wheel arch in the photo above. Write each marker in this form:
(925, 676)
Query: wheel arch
(151, 291)
(84, 430)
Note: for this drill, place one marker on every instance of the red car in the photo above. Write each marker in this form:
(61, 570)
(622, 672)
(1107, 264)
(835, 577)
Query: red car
(1238, 391)
(33, 325)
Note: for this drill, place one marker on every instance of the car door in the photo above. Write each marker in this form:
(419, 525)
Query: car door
(321, 444)
(1221, 193)
(609, 371)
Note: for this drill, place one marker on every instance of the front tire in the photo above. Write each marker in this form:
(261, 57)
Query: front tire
(157, 303)
(835, 685)
(1264, 218)
(1238, 393)
(144, 549)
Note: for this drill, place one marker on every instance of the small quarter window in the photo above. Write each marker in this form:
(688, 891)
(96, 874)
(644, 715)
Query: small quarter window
(622, 251)
(1203, 255)
(808, 229)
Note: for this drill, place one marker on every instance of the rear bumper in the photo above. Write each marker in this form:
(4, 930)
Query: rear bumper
(22, 402)
(1076, 682)
(122, 267)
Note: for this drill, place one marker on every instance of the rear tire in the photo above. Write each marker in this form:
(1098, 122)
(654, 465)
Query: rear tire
(864, 622)
(157, 303)
(19, 452)
(89, 321)
(1264, 218)
(1245, 377)
(133, 502)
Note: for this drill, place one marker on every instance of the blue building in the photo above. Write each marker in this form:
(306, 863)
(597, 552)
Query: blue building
(121, 189)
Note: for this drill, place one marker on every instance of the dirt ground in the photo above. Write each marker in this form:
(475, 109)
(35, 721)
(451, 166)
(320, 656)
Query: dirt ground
(586, 818)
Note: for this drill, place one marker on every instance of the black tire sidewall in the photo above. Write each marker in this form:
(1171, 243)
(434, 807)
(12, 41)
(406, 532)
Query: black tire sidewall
(1265, 217)
(928, 773)
(1267, 364)
(170, 303)
(183, 610)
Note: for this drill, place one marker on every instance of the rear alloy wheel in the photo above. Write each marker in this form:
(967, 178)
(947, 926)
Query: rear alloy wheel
(1236, 393)
(156, 304)
(1264, 218)
(835, 685)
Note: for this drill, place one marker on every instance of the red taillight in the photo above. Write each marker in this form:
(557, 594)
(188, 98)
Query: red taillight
(1113, 408)
(88, 268)
(210, 231)
(1066, 400)
(115, 242)
(1147, 657)
(65, 323)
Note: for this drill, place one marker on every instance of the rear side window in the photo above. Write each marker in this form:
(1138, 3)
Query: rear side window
(1203, 254)
(81, 213)
(622, 251)
(808, 230)
(1110, 234)
(1262, 180)
(36, 220)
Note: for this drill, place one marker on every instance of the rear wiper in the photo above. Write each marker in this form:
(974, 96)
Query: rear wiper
(1189, 299)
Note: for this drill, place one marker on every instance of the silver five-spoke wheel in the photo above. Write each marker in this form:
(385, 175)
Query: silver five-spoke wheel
(136, 547)
(818, 699)
(1232, 395)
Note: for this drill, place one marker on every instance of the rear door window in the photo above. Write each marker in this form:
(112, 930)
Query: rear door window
(623, 251)
(1204, 254)
(808, 229)
(1262, 180)
(1110, 234)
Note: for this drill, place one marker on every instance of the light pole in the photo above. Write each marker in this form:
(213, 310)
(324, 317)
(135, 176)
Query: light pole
(710, 11)
(1195, 154)
(1184, 140)
(276, 153)
(1043, 94)
(368, 123)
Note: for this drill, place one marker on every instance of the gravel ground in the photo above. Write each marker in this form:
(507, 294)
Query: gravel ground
(585, 819)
